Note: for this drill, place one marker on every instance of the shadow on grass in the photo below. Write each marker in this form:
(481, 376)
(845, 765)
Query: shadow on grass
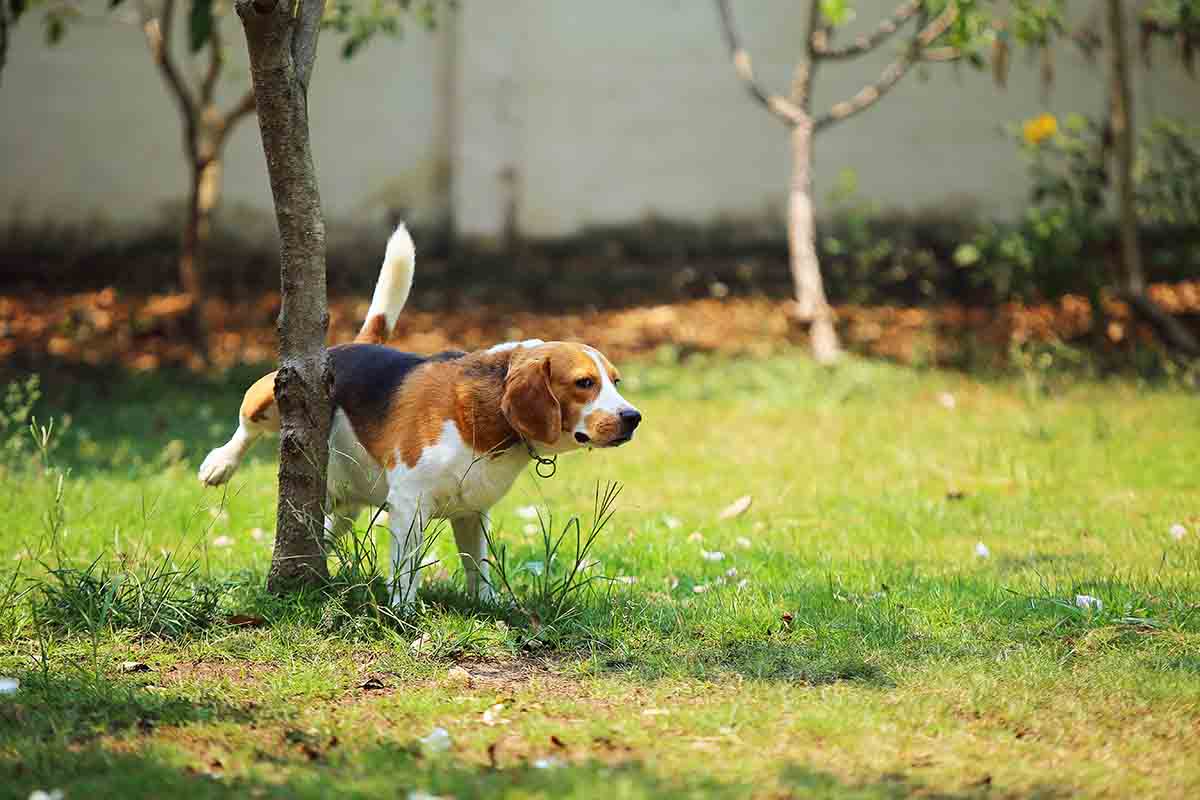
(78, 708)
(121, 420)
(391, 771)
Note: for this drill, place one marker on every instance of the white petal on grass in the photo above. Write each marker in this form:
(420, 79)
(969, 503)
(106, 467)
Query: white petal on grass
(9, 685)
(731, 572)
(700, 588)
(672, 522)
(737, 507)
(742, 541)
(743, 583)
(527, 512)
(257, 534)
(628, 579)
(547, 763)
(1177, 532)
(947, 400)
(438, 741)
(222, 541)
(492, 715)
(695, 536)
(981, 550)
(531, 528)
(41, 794)
(712, 555)
(1089, 603)
(419, 795)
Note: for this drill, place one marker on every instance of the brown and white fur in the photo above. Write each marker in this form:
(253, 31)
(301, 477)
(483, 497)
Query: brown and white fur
(440, 437)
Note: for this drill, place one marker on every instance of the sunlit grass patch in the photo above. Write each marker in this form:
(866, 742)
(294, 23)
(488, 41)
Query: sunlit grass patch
(870, 581)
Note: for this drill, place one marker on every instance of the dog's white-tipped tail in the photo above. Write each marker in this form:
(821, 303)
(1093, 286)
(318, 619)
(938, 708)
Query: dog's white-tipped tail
(392, 288)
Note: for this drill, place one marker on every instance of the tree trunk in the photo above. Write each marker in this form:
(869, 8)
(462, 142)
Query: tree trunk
(1121, 123)
(282, 50)
(1122, 127)
(206, 190)
(811, 304)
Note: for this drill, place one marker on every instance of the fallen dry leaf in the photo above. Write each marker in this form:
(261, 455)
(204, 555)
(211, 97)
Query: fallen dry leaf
(246, 621)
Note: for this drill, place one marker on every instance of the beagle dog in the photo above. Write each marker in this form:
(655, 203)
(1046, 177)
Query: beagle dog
(441, 436)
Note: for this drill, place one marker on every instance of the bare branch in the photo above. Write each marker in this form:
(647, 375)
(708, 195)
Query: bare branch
(891, 75)
(866, 42)
(941, 55)
(158, 38)
(216, 62)
(244, 108)
(802, 76)
(304, 38)
(778, 105)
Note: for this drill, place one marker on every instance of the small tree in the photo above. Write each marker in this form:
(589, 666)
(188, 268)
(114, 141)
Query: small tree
(205, 125)
(282, 38)
(1177, 20)
(939, 30)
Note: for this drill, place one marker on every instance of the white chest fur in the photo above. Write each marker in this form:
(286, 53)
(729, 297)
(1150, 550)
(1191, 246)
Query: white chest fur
(448, 480)
(451, 479)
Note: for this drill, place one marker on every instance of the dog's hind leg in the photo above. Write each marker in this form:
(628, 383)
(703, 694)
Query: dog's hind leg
(258, 415)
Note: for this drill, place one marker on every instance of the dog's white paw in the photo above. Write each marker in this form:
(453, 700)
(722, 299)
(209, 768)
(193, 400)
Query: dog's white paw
(218, 467)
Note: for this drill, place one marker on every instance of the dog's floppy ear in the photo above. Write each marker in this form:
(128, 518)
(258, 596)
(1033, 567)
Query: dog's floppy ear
(529, 405)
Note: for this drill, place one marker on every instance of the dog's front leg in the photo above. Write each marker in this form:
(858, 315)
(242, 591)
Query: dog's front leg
(470, 536)
(406, 521)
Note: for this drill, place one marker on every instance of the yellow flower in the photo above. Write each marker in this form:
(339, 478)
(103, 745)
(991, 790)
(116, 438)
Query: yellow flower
(1038, 129)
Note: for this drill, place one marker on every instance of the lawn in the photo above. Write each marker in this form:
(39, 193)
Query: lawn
(943, 586)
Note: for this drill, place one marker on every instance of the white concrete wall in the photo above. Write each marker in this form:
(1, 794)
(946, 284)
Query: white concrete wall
(599, 113)
(89, 130)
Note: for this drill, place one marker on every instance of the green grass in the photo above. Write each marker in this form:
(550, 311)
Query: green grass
(848, 643)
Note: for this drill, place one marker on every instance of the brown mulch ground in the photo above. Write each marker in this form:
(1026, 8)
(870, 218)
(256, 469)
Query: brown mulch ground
(146, 332)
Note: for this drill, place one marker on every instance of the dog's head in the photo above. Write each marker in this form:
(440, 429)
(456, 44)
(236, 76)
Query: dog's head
(561, 396)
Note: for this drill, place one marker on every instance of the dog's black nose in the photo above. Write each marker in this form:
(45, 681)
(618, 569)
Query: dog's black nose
(630, 417)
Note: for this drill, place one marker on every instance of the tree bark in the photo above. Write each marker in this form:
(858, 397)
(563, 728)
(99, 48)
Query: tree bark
(197, 228)
(811, 304)
(1123, 132)
(282, 49)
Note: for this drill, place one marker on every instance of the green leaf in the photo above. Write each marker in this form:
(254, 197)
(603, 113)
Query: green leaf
(200, 24)
(837, 12)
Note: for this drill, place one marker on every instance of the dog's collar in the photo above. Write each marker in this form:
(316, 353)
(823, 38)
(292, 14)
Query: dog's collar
(550, 464)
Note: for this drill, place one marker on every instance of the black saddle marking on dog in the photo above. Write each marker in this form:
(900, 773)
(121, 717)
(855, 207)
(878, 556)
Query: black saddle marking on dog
(365, 376)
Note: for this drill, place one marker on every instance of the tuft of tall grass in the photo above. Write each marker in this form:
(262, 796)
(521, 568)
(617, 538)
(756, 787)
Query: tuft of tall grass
(548, 592)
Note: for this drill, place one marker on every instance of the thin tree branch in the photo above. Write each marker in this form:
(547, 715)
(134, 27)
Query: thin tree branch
(866, 42)
(778, 105)
(941, 55)
(244, 108)
(802, 77)
(158, 38)
(870, 95)
(304, 38)
(216, 62)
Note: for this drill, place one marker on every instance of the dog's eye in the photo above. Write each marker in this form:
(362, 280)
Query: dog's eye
(585, 383)
(616, 381)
